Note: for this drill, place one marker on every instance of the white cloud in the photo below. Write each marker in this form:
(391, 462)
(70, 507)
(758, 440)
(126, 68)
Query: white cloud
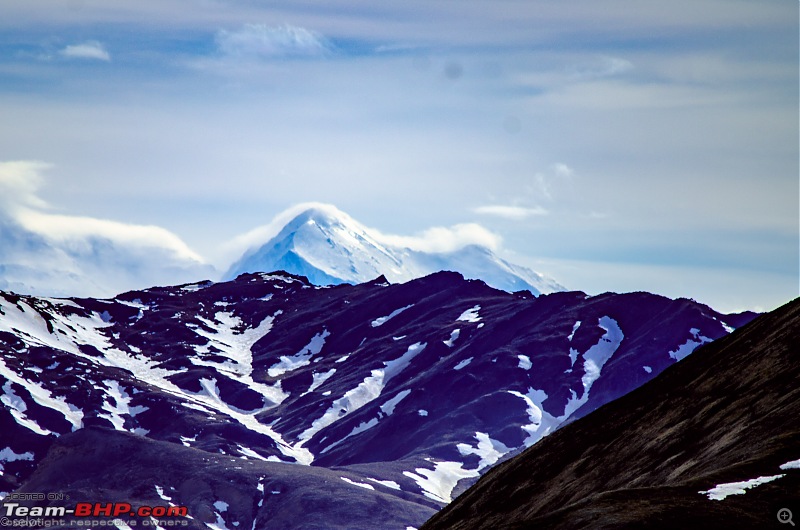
(86, 50)
(437, 22)
(614, 95)
(516, 213)
(262, 41)
(444, 239)
(46, 253)
(694, 109)
(435, 239)
(544, 184)
(541, 187)
(19, 181)
(562, 169)
(604, 66)
(234, 248)
(67, 229)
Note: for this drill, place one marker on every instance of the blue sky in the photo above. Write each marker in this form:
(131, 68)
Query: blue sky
(615, 146)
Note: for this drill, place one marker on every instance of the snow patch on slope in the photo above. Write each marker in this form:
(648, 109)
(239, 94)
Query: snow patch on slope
(383, 320)
(794, 464)
(524, 362)
(594, 359)
(489, 450)
(209, 396)
(453, 336)
(470, 315)
(387, 409)
(359, 484)
(391, 484)
(690, 345)
(235, 345)
(17, 407)
(597, 356)
(463, 364)
(68, 332)
(117, 405)
(438, 483)
(721, 491)
(367, 391)
(541, 423)
(574, 329)
(301, 358)
(319, 378)
(8, 455)
(43, 397)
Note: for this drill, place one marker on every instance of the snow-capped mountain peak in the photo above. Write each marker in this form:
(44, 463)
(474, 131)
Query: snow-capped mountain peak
(324, 244)
(329, 247)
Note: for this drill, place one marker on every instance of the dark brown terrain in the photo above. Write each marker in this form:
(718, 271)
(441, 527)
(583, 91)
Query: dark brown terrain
(728, 413)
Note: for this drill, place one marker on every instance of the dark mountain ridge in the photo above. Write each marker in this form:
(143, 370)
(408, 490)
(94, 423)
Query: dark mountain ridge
(650, 459)
(404, 394)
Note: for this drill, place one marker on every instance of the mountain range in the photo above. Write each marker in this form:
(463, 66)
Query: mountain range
(270, 402)
(712, 442)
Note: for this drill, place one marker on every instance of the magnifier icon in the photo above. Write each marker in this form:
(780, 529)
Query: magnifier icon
(785, 516)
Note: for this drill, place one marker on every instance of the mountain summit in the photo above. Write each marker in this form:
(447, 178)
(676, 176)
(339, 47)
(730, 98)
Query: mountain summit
(328, 246)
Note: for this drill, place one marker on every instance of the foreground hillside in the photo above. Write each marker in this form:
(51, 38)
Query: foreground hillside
(268, 402)
(713, 442)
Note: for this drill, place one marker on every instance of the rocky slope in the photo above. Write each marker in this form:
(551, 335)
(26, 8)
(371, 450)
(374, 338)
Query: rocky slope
(713, 442)
(363, 406)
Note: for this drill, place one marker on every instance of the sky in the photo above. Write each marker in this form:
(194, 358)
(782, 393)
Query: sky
(612, 145)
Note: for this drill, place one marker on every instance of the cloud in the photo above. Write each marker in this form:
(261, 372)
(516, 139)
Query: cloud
(86, 50)
(709, 102)
(19, 181)
(540, 188)
(234, 248)
(604, 66)
(47, 253)
(516, 213)
(75, 232)
(545, 183)
(562, 169)
(437, 239)
(262, 41)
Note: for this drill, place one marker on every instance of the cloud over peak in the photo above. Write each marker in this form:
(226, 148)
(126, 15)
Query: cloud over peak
(442, 239)
(437, 239)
